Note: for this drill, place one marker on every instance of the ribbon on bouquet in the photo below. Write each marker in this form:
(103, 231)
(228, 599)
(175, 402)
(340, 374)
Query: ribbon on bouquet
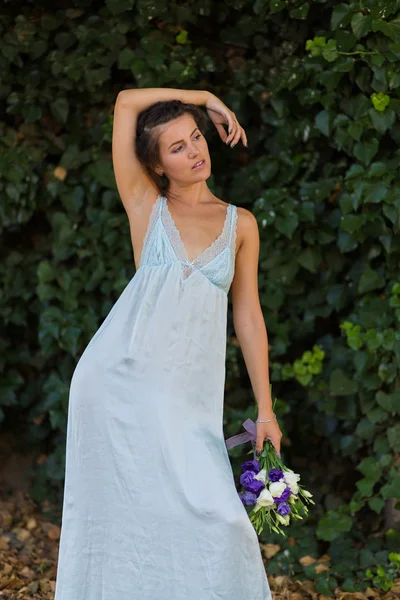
(241, 438)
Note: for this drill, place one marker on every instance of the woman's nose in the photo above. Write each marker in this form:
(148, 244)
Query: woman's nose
(193, 150)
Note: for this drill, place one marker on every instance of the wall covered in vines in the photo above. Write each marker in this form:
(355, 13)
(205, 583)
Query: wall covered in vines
(316, 87)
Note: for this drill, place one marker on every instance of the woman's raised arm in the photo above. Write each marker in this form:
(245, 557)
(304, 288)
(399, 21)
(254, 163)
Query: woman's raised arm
(132, 181)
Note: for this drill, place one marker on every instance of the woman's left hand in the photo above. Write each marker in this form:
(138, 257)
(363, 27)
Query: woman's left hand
(270, 431)
(221, 115)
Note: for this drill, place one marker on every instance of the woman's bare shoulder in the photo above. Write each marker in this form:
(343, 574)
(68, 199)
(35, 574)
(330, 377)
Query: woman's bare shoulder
(246, 219)
(246, 226)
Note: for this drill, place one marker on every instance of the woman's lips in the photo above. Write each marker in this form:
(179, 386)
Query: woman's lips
(200, 166)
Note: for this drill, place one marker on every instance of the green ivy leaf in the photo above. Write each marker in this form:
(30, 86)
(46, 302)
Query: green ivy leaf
(70, 339)
(381, 444)
(377, 415)
(392, 489)
(375, 193)
(60, 109)
(370, 280)
(360, 24)
(277, 5)
(369, 468)
(300, 12)
(365, 486)
(126, 58)
(376, 504)
(380, 101)
(323, 122)
(341, 15)
(394, 437)
(333, 525)
(45, 271)
(377, 169)
(287, 225)
(310, 258)
(365, 151)
(365, 429)
(352, 223)
(182, 37)
(382, 121)
(330, 52)
(390, 29)
(102, 171)
(355, 131)
(341, 385)
(389, 402)
(119, 6)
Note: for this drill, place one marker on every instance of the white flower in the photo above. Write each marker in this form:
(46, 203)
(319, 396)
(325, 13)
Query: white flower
(291, 480)
(265, 498)
(261, 475)
(276, 488)
(290, 476)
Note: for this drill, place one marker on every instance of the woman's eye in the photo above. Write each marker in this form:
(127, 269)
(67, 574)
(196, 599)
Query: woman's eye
(179, 147)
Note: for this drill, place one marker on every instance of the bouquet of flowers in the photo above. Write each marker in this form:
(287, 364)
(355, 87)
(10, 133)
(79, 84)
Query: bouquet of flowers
(271, 489)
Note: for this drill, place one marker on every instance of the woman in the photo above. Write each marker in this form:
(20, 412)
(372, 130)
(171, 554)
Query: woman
(150, 509)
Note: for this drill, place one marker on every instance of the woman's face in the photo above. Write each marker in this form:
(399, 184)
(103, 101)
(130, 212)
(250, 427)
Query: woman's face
(182, 146)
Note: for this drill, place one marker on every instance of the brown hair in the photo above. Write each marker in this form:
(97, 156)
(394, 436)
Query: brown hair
(146, 143)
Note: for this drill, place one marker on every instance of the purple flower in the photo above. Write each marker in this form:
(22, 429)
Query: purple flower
(246, 478)
(250, 484)
(251, 465)
(283, 509)
(256, 486)
(275, 475)
(285, 495)
(248, 498)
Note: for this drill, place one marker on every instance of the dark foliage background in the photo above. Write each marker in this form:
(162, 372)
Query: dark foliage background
(316, 86)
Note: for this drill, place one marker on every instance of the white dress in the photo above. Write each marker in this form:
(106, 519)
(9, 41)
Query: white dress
(150, 509)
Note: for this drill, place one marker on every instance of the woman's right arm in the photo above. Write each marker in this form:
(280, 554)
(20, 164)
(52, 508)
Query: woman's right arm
(132, 181)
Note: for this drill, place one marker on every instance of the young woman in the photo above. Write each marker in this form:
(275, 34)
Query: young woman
(150, 509)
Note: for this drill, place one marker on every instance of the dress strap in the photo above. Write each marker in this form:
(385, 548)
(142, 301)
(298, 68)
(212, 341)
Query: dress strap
(233, 230)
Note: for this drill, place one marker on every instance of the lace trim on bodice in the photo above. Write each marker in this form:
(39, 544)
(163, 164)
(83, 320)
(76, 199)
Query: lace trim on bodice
(226, 239)
(176, 241)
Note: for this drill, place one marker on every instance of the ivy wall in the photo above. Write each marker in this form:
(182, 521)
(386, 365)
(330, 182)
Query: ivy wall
(316, 86)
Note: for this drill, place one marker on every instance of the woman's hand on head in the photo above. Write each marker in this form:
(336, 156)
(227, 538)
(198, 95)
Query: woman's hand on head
(221, 115)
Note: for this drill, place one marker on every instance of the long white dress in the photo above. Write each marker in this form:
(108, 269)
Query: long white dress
(150, 509)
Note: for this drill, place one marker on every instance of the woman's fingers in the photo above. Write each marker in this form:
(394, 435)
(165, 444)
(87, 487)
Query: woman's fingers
(221, 130)
(260, 443)
(222, 116)
(235, 131)
(268, 432)
(236, 134)
(240, 135)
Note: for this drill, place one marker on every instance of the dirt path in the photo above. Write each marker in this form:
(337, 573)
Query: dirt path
(29, 550)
